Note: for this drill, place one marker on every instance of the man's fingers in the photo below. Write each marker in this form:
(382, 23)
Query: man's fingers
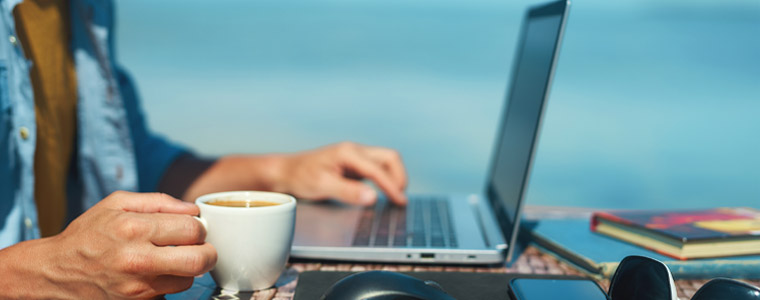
(350, 191)
(369, 169)
(391, 161)
(186, 261)
(150, 287)
(170, 284)
(150, 203)
(175, 229)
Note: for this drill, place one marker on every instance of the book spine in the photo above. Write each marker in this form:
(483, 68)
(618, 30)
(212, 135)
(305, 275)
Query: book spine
(597, 215)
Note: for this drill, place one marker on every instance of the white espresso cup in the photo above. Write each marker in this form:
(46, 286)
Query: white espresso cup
(252, 243)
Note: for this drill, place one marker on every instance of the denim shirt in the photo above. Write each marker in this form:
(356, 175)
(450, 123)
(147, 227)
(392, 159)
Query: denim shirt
(114, 149)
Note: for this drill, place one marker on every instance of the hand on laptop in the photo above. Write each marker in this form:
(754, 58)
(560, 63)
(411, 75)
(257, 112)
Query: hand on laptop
(336, 171)
(331, 172)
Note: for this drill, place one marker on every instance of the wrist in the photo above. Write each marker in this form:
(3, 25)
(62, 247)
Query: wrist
(31, 270)
(270, 172)
(241, 172)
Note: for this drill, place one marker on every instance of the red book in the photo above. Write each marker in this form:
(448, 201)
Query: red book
(685, 234)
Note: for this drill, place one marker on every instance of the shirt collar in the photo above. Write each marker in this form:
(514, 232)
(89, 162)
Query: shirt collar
(6, 12)
(10, 4)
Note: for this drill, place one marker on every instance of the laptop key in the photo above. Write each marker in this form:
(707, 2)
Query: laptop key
(418, 229)
(399, 236)
(381, 235)
(447, 226)
(436, 232)
(425, 222)
(437, 241)
(453, 242)
(364, 229)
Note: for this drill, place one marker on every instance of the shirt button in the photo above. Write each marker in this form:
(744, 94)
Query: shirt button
(13, 40)
(24, 132)
(28, 223)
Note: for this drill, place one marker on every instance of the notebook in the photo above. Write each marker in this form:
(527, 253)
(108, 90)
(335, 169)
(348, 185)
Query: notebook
(685, 233)
(572, 241)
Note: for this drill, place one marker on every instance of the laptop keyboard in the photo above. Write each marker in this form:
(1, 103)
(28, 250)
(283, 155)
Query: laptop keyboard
(424, 223)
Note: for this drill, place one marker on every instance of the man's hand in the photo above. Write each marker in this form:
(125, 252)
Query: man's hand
(335, 172)
(117, 249)
(330, 172)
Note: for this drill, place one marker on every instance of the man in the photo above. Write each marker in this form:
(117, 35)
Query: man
(74, 140)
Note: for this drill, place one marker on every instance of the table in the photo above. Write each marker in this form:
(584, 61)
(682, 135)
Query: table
(531, 261)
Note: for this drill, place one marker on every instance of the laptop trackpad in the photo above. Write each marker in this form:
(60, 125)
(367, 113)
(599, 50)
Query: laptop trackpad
(327, 224)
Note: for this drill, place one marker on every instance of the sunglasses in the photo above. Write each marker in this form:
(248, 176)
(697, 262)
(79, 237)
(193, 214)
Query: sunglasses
(639, 277)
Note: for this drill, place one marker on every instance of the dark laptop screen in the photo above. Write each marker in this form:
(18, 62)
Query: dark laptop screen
(531, 77)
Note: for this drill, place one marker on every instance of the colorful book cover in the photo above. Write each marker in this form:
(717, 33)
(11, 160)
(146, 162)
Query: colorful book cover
(570, 240)
(685, 226)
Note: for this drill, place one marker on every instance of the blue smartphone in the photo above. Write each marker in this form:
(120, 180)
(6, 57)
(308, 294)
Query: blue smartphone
(552, 289)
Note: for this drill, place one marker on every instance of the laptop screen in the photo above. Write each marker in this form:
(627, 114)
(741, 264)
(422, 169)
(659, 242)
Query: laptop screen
(533, 67)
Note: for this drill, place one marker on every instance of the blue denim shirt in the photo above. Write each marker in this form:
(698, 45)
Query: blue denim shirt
(114, 149)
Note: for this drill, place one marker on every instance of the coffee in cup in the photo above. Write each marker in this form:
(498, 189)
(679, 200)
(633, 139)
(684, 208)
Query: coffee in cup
(252, 233)
(240, 203)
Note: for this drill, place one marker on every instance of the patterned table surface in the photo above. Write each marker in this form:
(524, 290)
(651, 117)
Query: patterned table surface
(531, 261)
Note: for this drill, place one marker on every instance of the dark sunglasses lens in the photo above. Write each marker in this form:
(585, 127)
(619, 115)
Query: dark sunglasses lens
(640, 278)
(721, 288)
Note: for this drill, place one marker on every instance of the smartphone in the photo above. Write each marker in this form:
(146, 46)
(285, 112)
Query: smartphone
(552, 289)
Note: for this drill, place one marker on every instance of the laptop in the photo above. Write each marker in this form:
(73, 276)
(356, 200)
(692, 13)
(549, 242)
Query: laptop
(478, 228)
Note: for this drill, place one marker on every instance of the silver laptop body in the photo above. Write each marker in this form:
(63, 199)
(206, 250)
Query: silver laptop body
(453, 229)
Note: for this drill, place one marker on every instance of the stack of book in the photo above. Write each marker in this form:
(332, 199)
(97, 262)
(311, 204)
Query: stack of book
(693, 243)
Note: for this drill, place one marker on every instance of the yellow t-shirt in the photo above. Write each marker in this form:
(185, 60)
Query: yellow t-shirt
(43, 28)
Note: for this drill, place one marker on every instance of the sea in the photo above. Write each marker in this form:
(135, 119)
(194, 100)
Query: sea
(655, 104)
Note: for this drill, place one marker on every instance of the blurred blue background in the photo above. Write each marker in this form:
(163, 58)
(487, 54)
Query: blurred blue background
(654, 103)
